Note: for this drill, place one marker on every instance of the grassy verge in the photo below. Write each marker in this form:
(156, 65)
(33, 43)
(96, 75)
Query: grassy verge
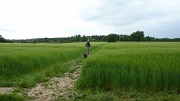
(10, 97)
(122, 95)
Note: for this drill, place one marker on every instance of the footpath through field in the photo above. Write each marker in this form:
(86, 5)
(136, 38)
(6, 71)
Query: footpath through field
(57, 88)
(61, 88)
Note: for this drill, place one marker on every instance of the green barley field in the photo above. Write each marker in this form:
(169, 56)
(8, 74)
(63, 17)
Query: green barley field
(145, 66)
(112, 71)
(27, 64)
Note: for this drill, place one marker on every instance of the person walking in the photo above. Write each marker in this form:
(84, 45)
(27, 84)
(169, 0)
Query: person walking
(88, 45)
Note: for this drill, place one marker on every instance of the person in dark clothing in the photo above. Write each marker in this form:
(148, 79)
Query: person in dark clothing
(88, 45)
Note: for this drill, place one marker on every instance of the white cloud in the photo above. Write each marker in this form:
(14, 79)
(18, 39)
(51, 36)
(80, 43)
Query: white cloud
(132, 15)
(39, 18)
(58, 18)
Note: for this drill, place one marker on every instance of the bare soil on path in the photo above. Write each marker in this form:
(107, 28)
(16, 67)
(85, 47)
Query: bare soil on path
(55, 88)
(6, 90)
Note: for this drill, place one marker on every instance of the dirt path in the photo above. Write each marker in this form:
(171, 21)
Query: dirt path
(6, 90)
(56, 87)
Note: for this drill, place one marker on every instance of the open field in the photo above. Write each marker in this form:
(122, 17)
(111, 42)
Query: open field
(23, 63)
(114, 71)
(146, 67)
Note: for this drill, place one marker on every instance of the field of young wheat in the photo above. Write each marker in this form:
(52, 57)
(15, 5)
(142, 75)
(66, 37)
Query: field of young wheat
(112, 71)
(36, 60)
(141, 66)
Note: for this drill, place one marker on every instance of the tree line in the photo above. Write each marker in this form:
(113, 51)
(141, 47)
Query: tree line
(138, 36)
(3, 40)
(112, 37)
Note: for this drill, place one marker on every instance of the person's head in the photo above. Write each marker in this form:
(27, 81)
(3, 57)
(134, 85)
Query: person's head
(88, 40)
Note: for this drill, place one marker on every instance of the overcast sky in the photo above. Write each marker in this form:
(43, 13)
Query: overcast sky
(25, 19)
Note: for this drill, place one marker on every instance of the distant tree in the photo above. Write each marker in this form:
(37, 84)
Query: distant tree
(127, 38)
(73, 38)
(2, 39)
(148, 38)
(176, 39)
(112, 37)
(78, 38)
(104, 38)
(84, 38)
(137, 36)
(124, 37)
(46, 39)
(121, 37)
(91, 38)
(34, 41)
